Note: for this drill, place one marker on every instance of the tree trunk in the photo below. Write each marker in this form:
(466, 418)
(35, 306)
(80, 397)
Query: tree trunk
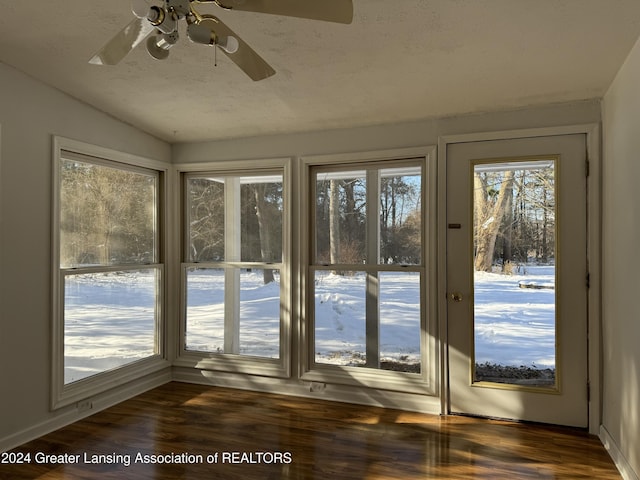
(507, 254)
(351, 220)
(264, 227)
(334, 223)
(544, 257)
(480, 215)
(487, 232)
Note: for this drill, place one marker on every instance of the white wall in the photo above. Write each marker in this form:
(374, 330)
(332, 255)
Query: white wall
(621, 263)
(384, 137)
(30, 113)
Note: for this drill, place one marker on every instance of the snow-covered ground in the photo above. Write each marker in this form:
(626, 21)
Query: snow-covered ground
(109, 322)
(514, 326)
(259, 313)
(340, 334)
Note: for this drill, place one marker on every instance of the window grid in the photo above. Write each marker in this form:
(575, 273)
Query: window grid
(238, 265)
(373, 265)
(108, 271)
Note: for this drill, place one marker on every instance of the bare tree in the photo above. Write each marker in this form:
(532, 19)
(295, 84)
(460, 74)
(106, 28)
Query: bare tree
(106, 215)
(398, 204)
(334, 222)
(265, 222)
(206, 219)
(489, 218)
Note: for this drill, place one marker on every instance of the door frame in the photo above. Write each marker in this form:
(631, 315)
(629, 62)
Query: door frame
(594, 243)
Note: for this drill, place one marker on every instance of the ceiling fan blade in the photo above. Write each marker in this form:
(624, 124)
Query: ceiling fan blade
(244, 57)
(339, 11)
(123, 42)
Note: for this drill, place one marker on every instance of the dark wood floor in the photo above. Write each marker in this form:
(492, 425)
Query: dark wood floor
(258, 436)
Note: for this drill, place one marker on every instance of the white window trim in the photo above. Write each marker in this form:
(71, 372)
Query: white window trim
(267, 367)
(61, 394)
(427, 382)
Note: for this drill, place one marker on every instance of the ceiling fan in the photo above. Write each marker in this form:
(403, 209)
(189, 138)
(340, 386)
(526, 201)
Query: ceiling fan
(158, 25)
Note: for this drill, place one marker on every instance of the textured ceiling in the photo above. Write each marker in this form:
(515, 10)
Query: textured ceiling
(400, 60)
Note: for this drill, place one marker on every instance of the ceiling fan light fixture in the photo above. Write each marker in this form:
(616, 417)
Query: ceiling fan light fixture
(158, 45)
(204, 34)
(199, 33)
(229, 44)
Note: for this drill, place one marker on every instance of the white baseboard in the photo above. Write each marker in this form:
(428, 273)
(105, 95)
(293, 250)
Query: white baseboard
(314, 390)
(99, 402)
(616, 455)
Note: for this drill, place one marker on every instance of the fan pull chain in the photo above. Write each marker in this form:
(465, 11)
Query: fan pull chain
(215, 55)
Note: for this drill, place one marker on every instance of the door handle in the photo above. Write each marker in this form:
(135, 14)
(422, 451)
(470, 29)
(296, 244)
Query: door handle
(456, 297)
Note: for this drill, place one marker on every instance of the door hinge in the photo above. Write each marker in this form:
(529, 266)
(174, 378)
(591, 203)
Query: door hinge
(586, 167)
(588, 280)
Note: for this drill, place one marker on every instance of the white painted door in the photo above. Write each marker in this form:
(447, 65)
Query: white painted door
(517, 279)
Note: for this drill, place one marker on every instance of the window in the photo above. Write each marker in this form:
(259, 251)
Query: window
(367, 307)
(235, 308)
(108, 285)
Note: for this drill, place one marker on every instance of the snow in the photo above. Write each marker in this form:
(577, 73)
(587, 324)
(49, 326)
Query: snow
(109, 321)
(340, 326)
(515, 326)
(110, 318)
(259, 313)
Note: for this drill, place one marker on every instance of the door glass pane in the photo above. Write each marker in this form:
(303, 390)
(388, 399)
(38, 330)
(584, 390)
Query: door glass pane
(514, 220)
(400, 217)
(109, 320)
(340, 318)
(340, 227)
(205, 310)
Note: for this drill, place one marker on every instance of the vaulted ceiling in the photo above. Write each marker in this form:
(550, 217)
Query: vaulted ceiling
(400, 60)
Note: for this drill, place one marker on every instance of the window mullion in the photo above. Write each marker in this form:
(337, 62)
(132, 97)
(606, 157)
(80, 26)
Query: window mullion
(232, 253)
(372, 282)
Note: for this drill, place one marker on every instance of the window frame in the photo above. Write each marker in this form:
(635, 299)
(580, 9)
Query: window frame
(66, 394)
(427, 381)
(229, 362)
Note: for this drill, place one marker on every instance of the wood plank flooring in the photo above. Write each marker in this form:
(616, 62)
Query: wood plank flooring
(199, 432)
